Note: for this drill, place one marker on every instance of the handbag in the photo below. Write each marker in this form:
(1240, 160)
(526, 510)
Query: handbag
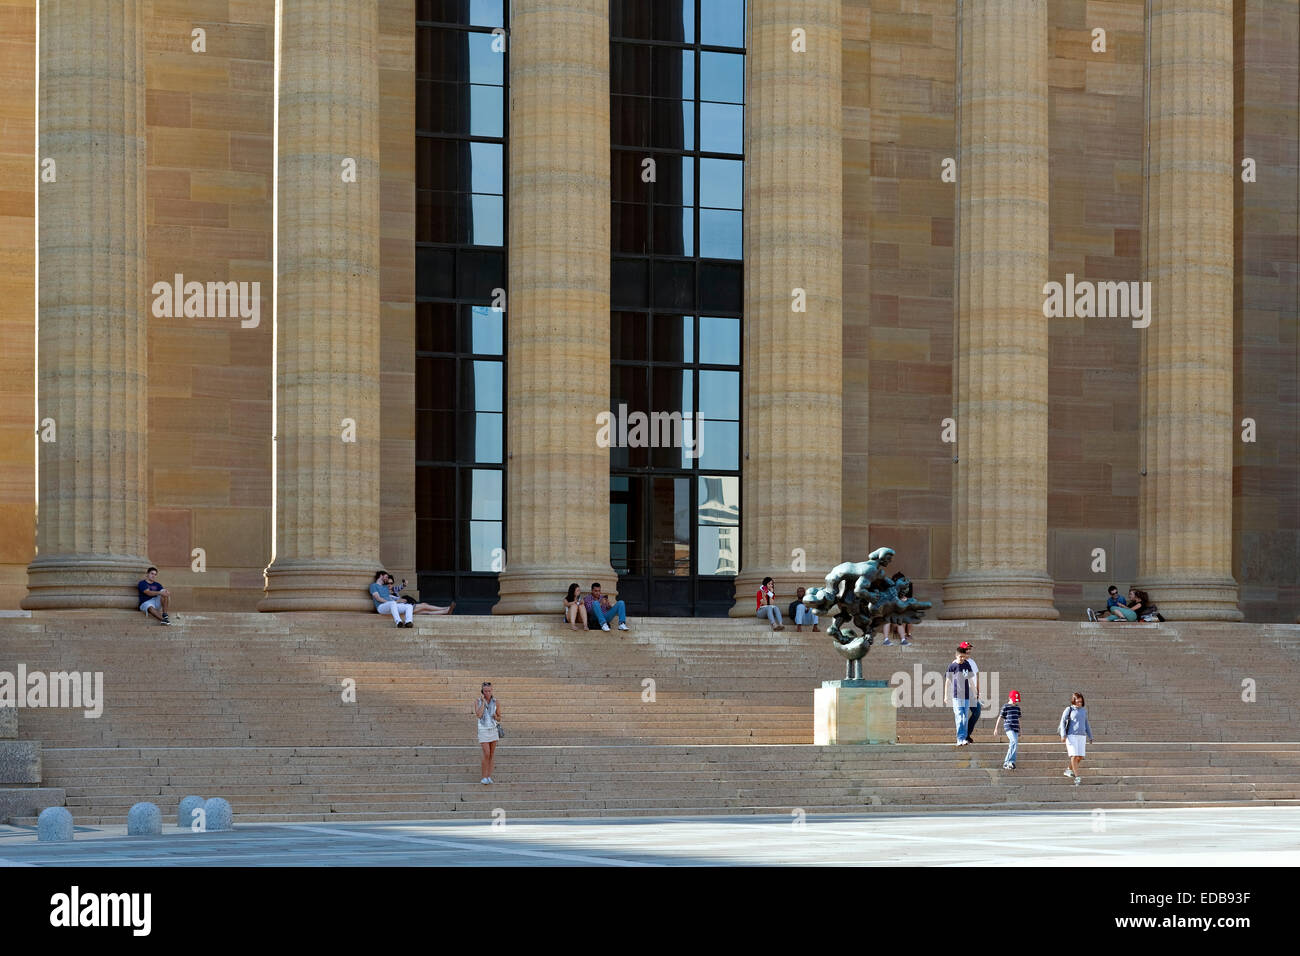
(501, 734)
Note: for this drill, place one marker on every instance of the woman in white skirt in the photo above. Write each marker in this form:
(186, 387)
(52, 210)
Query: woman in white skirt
(488, 713)
(1075, 730)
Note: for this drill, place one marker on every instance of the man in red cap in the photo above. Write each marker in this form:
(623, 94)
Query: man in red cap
(1009, 716)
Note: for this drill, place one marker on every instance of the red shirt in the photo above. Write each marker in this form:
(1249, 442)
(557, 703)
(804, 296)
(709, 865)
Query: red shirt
(761, 593)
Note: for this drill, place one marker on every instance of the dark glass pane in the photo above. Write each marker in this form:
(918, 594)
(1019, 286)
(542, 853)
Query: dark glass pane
(674, 231)
(629, 227)
(625, 177)
(628, 386)
(435, 545)
(629, 69)
(629, 284)
(672, 338)
(720, 234)
(626, 524)
(670, 526)
(722, 183)
(481, 494)
(435, 273)
(438, 216)
(722, 77)
(441, 107)
(486, 223)
(435, 383)
(486, 111)
(719, 339)
(435, 327)
(674, 183)
(628, 335)
(672, 73)
(482, 383)
(477, 13)
(481, 437)
(629, 123)
(438, 162)
(653, 19)
(478, 272)
(435, 436)
(482, 330)
(674, 286)
(435, 492)
(672, 124)
(441, 54)
(671, 390)
(720, 395)
(722, 128)
(722, 287)
(722, 22)
(486, 65)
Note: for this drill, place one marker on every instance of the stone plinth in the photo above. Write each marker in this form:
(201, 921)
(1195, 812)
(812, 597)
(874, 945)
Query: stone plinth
(854, 712)
(20, 761)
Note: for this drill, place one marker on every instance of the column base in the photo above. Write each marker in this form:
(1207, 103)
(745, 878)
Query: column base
(541, 590)
(325, 585)
(1207, 599)
(1004, 595)
(63, 581)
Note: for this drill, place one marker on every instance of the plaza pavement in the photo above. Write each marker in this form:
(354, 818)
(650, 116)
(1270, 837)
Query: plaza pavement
(1219, 836)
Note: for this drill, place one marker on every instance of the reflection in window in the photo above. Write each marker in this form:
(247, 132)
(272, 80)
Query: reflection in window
(721, 235)
(722, 183)
(719, 340)
(722, 128)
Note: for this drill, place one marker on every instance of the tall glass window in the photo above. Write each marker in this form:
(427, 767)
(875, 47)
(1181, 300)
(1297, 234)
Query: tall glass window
(460, 274)
(677, 83)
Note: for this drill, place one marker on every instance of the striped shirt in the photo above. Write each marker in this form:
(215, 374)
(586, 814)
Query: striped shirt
(1010, 715)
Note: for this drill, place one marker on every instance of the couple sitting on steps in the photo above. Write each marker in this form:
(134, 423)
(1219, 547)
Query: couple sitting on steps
(592, 609)
(384, 593)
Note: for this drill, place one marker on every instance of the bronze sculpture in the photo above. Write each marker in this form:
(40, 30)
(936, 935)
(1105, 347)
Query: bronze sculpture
(862, 598)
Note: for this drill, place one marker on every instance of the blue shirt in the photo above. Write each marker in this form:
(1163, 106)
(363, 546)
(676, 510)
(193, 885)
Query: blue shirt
(1010, 715)
(1115, 602)
(1074, 722)
(382, 590)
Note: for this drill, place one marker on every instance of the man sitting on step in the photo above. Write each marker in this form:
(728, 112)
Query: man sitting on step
(154, 598)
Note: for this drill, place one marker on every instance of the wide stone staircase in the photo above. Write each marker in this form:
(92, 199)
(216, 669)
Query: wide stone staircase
(334, 717)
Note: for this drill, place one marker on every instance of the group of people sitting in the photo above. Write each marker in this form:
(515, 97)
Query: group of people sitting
(592, 610)
(388, 599)
(1136, 607)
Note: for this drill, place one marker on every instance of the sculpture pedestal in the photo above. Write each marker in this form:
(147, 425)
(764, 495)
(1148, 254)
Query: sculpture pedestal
(854, 712)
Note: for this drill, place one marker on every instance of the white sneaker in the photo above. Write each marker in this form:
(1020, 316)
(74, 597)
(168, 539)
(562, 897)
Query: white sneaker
(622, 627)
(1068, 773)
(485, 780)
(604, 627)
(1078, 780)
(490, 780)
(1092, 615)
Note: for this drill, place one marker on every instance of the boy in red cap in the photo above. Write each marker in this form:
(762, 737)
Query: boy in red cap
(1009, 717)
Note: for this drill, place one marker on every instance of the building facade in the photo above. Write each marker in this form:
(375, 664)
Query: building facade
(504, 294)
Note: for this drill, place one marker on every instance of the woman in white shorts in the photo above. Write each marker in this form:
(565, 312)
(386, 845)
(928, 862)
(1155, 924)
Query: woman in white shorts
(1075, 730)
(488, 713)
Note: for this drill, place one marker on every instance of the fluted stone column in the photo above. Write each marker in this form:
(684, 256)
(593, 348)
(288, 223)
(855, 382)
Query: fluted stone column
(999, 549)
(1185, 510)
(92, 520)
(327, 309)
(791, 473)
(557, 476)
